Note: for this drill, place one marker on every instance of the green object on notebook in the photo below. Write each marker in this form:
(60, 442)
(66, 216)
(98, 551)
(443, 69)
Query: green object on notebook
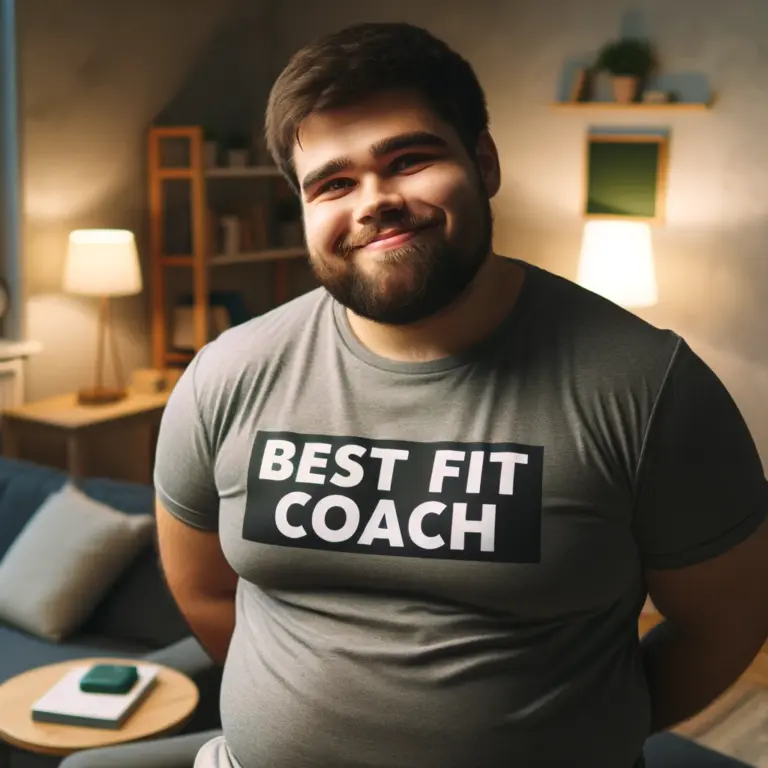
(109, 678)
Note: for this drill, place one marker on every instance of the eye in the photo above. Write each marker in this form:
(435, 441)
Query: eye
(334, 185)
(406, 162)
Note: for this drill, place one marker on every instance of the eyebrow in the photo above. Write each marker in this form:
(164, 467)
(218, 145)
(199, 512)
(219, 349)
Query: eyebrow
(377, 150)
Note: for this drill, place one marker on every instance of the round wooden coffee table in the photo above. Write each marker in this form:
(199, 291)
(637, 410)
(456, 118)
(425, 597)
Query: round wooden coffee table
(166, 708)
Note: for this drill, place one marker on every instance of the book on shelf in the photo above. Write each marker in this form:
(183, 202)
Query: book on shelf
(254, 230)
(64, 703)
(245, 231)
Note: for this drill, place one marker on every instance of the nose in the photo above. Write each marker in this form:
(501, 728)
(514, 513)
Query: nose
(376, 197)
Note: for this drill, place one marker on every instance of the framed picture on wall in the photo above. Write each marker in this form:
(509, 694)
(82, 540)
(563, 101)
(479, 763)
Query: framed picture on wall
(626, 174)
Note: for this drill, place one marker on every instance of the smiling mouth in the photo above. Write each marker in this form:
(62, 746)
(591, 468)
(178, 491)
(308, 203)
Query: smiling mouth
(391, 239)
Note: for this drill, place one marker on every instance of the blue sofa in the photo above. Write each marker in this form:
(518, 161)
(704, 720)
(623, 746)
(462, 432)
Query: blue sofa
(137, 618)
(665, 750)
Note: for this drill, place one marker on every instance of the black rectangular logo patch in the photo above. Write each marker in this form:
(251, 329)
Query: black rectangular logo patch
(452, 501)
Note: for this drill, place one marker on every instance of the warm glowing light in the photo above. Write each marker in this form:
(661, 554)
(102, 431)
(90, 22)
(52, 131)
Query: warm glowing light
(617, 262)
(102, 262)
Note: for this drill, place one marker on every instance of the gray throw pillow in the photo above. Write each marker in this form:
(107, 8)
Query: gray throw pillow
(65, 559)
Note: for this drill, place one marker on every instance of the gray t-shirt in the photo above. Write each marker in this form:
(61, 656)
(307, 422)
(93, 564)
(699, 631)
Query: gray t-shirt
(441, 564)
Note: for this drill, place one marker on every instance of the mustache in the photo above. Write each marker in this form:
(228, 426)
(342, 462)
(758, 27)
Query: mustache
(370, 232)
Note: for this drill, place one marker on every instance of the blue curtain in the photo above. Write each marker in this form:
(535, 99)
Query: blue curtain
(10, 188)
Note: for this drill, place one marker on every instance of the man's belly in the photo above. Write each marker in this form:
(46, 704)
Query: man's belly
(303, 691)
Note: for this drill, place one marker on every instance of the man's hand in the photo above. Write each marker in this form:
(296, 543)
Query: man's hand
(716, 623)
(200, 579)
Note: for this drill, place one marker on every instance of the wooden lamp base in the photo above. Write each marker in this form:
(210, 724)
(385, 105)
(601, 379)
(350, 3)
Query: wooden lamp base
(97, 393)
(100, 395)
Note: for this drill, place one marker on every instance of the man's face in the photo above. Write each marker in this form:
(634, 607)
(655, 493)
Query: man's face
(396, 213)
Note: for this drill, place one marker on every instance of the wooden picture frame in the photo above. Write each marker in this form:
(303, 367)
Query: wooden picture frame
(626, 175)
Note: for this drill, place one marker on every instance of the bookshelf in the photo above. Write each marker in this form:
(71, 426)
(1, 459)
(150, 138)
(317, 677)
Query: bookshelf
(253, 257)
(211, 240)
(245, 257)
(246, 172)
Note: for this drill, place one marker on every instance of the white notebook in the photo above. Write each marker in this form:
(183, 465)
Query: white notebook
(66, 704)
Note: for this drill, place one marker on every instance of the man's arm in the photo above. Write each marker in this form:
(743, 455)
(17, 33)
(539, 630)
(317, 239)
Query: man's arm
(701, 500)
(200, 579)
(716, 621)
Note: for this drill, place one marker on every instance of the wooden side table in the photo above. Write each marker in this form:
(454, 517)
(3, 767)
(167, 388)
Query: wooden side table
(63, 417)
(166, 708)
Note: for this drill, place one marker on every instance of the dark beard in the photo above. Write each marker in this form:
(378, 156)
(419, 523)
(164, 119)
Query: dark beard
(439, 272)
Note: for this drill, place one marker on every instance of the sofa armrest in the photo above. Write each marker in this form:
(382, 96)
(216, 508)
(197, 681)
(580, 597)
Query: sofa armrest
(189, 657)
(170, 752)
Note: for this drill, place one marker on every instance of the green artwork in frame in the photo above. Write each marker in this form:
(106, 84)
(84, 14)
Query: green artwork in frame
(626, 175)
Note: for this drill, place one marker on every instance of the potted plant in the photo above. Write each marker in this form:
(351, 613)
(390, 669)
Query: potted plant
(629, 61)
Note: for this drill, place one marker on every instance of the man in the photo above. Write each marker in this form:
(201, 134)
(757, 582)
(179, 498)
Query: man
(417, 511)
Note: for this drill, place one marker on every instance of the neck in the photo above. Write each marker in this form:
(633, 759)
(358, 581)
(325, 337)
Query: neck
(471, 318)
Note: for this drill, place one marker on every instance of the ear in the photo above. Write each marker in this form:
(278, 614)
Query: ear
(488, 164)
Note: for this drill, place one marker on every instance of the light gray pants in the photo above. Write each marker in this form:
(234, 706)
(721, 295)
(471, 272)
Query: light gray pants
(214, 754)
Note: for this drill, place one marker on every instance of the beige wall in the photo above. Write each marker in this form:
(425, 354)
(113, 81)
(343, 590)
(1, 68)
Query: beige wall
(711, 262)
(94, 75)
(96, 72)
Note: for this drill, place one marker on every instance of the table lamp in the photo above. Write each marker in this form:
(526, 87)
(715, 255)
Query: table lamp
(103, 263)
(617, 262)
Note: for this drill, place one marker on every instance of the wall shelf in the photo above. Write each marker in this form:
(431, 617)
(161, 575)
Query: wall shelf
(179, 356)
(253, 257)
(243, 172)
(221, 172)
(274, 254)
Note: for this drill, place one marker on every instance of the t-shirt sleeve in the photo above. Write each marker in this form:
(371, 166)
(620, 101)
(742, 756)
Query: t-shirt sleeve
(701, 488)
(184, 463)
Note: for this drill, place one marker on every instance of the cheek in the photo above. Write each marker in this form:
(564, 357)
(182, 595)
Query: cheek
(323, 226)
(450, 191)
(440, 188)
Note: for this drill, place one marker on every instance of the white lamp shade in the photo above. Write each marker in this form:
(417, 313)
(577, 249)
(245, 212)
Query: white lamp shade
(617, 262)
(102, 262)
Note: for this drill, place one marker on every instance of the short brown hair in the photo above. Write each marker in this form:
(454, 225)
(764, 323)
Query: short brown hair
(344, 67)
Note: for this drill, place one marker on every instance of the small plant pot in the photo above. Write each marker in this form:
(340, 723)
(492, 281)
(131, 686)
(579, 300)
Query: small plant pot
(625, 88)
